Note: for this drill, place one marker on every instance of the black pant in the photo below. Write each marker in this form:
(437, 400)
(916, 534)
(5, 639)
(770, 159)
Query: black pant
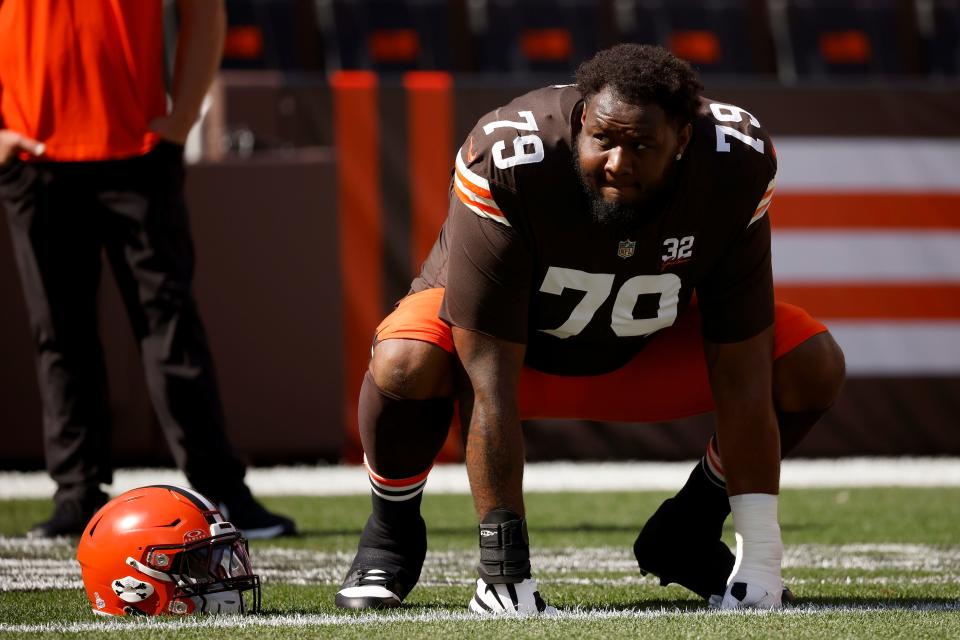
(62, 217)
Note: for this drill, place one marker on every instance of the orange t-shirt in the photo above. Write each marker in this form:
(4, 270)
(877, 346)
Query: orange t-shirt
(84, 77)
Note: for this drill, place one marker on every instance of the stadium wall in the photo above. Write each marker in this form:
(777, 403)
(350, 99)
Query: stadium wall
(304, 246)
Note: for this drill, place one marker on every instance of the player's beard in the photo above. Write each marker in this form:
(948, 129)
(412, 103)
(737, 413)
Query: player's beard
(619, 217)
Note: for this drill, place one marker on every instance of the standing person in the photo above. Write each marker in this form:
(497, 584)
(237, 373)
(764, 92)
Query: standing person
(91, 159)
(606, 256)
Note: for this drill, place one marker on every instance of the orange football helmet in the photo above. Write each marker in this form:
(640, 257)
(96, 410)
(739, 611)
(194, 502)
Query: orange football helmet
(165, 549)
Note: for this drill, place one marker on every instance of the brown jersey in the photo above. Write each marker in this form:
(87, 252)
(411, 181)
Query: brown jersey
(523, 260)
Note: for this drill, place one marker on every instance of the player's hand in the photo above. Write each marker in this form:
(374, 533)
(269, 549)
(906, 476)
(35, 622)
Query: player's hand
(750, 595)
(756, 580)
(12, 143)
(172, 128)
(521, 598)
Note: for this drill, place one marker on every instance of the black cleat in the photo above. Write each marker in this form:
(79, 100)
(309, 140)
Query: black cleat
(386, 567)
(787, 598)
(675, 546)
(243, 511)
(70, 518)
(369, 589)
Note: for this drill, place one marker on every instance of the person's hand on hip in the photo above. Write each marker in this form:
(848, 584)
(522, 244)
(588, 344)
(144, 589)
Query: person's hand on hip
(12, 143)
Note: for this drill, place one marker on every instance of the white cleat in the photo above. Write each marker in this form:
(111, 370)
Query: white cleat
(521, 598)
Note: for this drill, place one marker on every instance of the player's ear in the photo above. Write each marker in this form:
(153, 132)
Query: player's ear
(683, 137)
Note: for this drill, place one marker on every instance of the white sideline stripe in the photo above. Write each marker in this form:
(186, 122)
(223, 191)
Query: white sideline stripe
(33, 581)
(23, 567)
(538, 477)
(870, 164)
(319, 620)
(865, 256)
(898, 348)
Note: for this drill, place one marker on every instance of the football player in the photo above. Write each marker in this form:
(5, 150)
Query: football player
(606, 256)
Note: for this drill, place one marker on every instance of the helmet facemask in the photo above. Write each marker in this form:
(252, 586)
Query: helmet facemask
(213, 575)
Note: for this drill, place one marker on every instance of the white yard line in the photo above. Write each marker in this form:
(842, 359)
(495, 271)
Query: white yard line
(323, 620)
(538, 477)
(27, 564)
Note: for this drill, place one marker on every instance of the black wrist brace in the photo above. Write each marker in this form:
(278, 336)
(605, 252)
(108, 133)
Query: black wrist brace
(504, 548)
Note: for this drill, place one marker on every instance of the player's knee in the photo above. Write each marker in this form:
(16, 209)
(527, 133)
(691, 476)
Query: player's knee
(810, 377)
(831, 370)
(412, 369)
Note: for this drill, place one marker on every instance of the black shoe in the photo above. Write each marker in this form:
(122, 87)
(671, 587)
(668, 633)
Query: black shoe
(245, 513)
(386, 567)
(676, 546)
(370, 588)
(70, 518)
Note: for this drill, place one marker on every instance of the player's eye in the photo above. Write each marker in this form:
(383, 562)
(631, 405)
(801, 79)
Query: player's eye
(601, 139)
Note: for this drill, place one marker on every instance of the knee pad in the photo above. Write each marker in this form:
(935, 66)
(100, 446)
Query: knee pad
(504, 548)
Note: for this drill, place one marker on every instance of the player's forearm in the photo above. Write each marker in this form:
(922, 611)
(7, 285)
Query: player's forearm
(199, 49)
(494, 439)
(741, 378)
(495, 457)
(750, 450)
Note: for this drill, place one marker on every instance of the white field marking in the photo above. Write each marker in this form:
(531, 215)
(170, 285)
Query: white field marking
(873, 557)
(538, 477)
(791, 581)
(35, 583)
(348, 619)
(867, 164)
(592, 565)
(866, 256)
(50, 548)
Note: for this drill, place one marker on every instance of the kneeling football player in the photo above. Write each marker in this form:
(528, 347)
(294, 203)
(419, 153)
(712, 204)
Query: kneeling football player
(606, 256)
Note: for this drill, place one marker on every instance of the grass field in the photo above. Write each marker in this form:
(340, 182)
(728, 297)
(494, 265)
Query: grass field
(865, 563)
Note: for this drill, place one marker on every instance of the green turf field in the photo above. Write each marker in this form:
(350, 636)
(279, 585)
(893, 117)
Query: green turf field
(865, 563)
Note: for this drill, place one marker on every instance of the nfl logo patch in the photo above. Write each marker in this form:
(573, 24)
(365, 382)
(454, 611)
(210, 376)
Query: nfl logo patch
(625, 250)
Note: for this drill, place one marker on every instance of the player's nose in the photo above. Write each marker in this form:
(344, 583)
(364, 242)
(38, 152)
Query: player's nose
(617, 163)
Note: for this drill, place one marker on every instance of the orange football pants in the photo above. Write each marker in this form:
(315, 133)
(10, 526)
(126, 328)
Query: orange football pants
(667, 380)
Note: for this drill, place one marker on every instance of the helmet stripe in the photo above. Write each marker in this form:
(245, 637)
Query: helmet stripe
(198, 500)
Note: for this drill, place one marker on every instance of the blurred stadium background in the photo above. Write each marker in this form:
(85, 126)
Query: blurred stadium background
(319, 173)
